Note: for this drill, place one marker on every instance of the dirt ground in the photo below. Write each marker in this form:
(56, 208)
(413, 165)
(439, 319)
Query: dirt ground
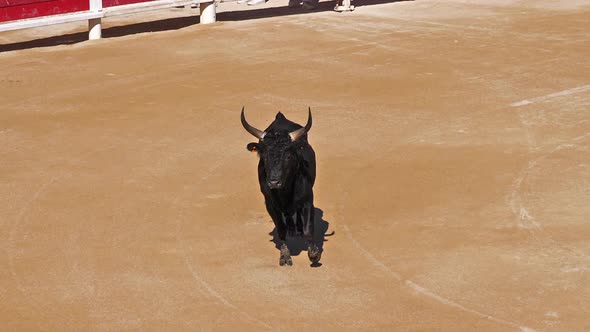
(453, 146)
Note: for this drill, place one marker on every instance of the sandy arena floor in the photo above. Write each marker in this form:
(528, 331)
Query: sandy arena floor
(453, 143)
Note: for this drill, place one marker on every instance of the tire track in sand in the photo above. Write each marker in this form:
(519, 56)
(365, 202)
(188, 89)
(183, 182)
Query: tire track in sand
(11, 250)
(192, 267)
(525, 219)
(415, 287)
(422, 290)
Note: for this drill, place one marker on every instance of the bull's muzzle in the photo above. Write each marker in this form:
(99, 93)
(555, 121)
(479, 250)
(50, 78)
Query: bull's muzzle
(275, 184)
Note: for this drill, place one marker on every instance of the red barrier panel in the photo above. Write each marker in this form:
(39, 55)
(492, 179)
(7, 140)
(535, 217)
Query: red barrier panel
(112, 3)
(11, 10)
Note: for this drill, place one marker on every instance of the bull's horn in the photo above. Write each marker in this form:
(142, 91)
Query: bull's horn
(255, 132)
(301, 131)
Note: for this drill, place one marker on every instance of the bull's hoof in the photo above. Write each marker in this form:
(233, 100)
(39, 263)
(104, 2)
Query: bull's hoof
(314, 254)
(285, 258)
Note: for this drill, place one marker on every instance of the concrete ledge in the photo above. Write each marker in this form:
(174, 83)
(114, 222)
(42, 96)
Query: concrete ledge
(144, 6)
(49, 20)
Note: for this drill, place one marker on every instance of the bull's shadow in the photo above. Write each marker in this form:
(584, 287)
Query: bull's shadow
(297, 244)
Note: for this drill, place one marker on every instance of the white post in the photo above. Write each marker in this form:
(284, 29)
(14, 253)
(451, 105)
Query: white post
(95, 24)
(94, 28)
(344, 7)
(207, 12)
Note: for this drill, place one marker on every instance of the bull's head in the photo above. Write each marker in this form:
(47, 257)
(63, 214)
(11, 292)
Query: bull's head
(279, 151)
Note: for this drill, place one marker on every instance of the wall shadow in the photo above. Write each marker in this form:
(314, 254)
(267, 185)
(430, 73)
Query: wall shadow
(286, 11)
(297, 244)
(118, 31)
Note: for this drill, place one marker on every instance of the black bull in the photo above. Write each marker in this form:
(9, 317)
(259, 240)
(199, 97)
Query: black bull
(286, 173)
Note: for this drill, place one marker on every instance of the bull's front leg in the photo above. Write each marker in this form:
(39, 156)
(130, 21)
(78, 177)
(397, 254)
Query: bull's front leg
(281, 226)
(285, 256)
(307, 213)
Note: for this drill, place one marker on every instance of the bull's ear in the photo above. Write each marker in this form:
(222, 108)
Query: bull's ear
(252, 147)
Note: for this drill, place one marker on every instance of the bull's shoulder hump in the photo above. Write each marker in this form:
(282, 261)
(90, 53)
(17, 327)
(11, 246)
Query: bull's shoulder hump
(283, 124)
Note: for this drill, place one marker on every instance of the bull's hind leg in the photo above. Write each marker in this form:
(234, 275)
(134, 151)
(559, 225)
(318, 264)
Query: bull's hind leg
(313, 252)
